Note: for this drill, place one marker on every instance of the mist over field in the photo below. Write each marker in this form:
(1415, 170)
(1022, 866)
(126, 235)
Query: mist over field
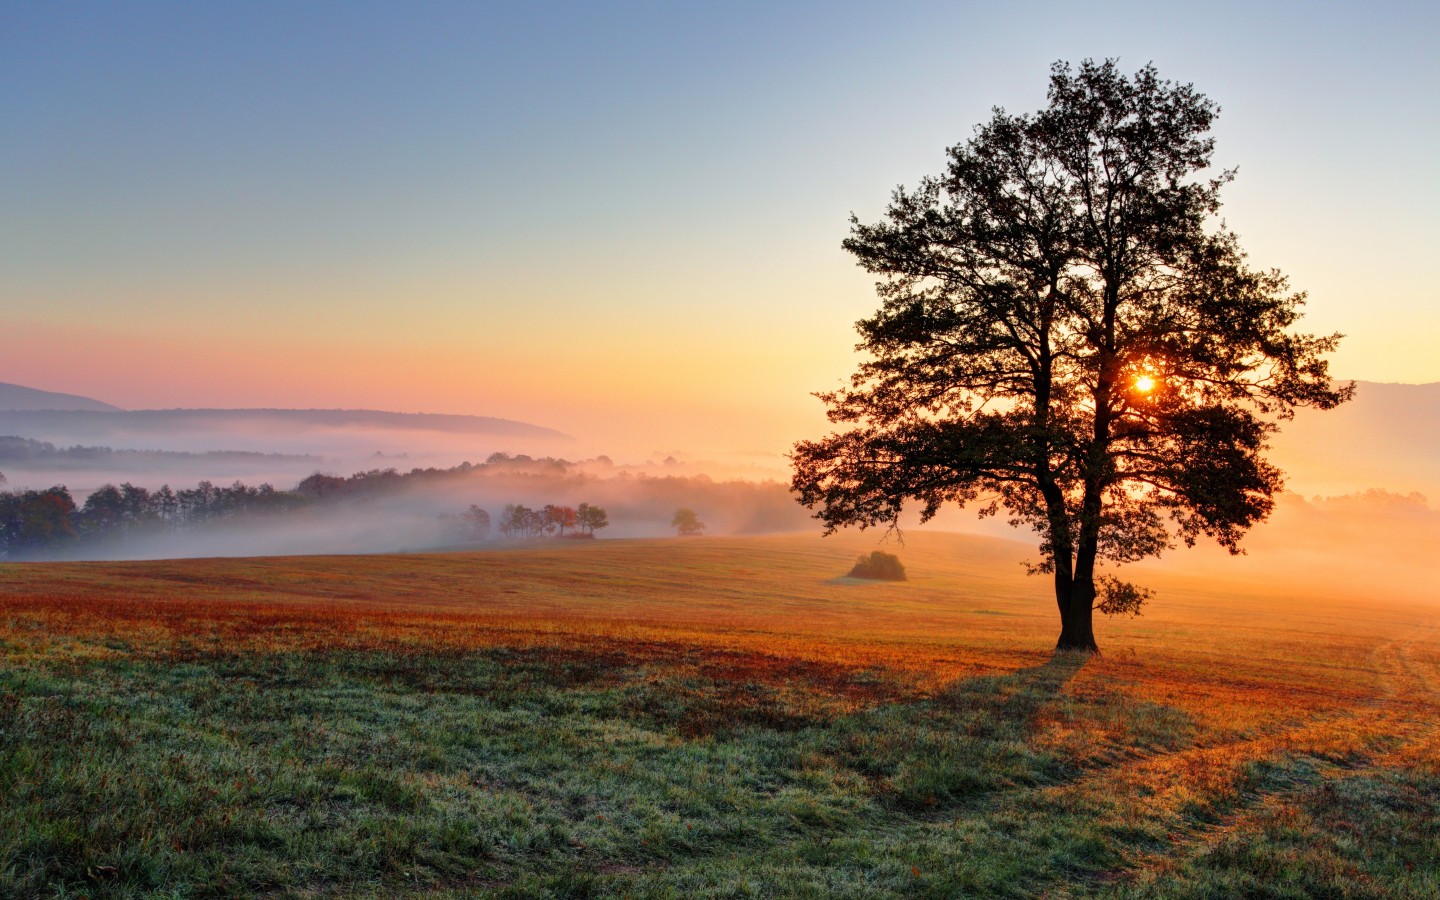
(342, 436)
(36, 465)
(180, 447)
(1360, 502)
(1385, 438)
(421, 512)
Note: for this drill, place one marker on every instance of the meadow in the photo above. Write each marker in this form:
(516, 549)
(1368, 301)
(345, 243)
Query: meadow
(721, 717)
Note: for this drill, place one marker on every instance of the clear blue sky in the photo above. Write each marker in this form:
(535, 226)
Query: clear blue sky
(584, 213)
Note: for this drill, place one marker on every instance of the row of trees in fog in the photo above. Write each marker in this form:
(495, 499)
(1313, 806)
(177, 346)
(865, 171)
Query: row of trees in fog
(45, 522)
(127, 518)
(517, 521)
(39, 522)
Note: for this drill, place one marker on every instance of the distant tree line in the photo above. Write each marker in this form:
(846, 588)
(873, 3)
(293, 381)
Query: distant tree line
(35, 524)
(39, 523)
(49, 523)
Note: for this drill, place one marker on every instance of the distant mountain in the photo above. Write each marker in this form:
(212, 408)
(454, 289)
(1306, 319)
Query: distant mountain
(1387, 437)
(82, 425)
(18, 397)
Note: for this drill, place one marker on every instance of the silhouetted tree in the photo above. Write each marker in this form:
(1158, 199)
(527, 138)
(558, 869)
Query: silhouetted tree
(1065, 332)
(686, 522)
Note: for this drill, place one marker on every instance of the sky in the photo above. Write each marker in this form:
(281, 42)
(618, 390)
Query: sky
(621, 220)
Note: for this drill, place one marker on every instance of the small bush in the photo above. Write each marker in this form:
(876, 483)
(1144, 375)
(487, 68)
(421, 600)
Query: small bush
(879, 566)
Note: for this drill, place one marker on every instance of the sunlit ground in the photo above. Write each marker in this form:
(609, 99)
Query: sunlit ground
(706, 717)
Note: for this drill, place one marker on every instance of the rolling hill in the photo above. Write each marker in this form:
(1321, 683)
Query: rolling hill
(19, 397)
(78, 424)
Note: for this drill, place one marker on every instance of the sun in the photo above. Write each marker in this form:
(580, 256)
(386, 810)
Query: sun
(1144, 384)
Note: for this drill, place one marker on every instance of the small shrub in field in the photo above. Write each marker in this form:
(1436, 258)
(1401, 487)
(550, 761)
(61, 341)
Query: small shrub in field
(879, 566)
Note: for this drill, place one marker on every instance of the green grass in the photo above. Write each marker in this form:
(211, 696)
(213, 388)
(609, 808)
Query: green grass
(493, 772)
(596, 764)
(366, 772)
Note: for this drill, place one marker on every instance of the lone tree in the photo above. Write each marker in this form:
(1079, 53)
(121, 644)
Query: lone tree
(687, 523)
(1066, 332)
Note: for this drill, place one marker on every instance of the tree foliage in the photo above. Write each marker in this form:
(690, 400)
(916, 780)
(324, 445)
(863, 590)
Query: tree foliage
(687, 523)
(1066, 333)
(591, 518)
(560, 517)
(36, 521)
(476, 523)
(519, 521)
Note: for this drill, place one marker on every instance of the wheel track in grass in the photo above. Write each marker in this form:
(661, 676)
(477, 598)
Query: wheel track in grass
(1423, 701)
(1392, 727)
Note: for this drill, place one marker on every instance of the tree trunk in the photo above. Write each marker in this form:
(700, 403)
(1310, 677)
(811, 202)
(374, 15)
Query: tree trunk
(1077, 631)
(1062, 555)
(1064, 589)
(1063, 561)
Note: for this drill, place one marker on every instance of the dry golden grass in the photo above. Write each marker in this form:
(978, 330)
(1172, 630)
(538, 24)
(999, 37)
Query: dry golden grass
(1205, 643)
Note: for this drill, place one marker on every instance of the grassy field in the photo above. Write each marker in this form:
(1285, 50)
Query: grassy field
(707, 717)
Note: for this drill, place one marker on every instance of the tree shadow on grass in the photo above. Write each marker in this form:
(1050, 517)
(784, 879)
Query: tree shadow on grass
(974, 737)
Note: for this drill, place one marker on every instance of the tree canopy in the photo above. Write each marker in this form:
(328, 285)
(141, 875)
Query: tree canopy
(1068, 333)
(687, 523)
(592, 518)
